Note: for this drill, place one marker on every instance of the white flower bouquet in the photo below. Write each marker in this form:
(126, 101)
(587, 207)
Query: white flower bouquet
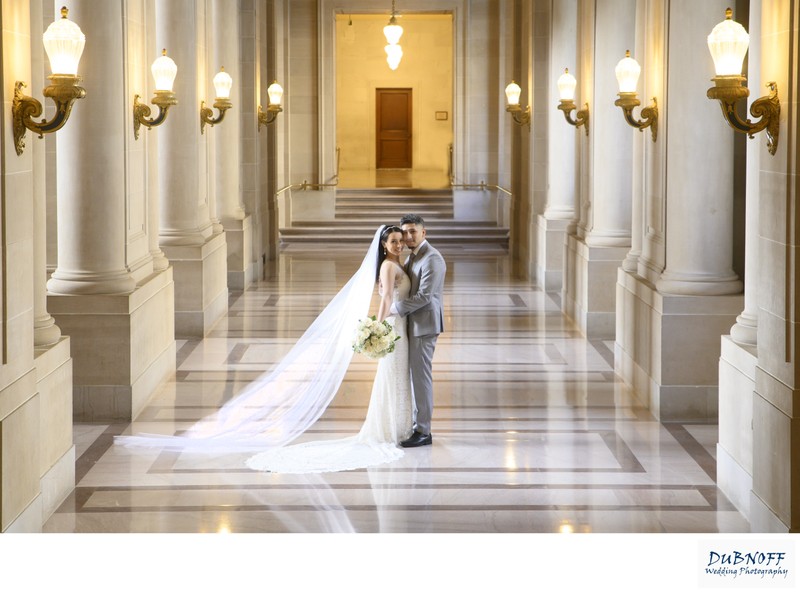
(374, 338)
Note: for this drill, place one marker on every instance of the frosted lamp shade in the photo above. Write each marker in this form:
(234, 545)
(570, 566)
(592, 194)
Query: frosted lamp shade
(627, 71)
(393, 32)
(223, 83)
(512, 93)
(63, 41)
(275, 92)
(394, 53)
(164, 71)
(566, 86)
(728, 43)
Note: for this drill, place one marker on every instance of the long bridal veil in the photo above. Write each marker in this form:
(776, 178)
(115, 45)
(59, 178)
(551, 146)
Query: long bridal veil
(283, 403)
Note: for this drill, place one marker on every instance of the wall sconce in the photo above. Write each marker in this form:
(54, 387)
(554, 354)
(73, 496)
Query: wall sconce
(164, 71)
(275, 92)
(566, 92)
(222, 83)
(520, 115)
(728, 43)
(63, 41)
(627, 72)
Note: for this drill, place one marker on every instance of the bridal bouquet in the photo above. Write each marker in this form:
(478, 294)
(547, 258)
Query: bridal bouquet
(374, 338)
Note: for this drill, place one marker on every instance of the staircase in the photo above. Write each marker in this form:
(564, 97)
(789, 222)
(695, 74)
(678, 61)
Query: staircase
(358, 212)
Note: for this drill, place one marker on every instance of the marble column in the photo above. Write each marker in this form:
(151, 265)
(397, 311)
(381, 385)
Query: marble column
(745, 330)
(699, 229)
(226, 139)
(739, 355)
(197, 254)
(45, 331)
(668, 334)
(91, 167)
(589, 295)
(105, 292)
(562, 139)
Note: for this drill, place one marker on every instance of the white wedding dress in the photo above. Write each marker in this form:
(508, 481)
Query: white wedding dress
(389, 419)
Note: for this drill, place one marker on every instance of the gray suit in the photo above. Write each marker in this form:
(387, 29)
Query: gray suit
(424, 311)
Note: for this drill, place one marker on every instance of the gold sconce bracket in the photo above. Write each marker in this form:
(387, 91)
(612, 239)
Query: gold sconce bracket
(581, 117)
(207, 115)
(64, 90)
(266, 118)
(627, 101)
(728, 90)
(163, 100)
(520, 115)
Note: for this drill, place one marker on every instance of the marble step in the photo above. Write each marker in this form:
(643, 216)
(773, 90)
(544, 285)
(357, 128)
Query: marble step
(323, 231)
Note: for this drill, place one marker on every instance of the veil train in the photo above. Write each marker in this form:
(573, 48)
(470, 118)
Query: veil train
(283, 403)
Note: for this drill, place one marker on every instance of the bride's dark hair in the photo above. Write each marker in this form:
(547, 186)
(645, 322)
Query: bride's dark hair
(388, 230)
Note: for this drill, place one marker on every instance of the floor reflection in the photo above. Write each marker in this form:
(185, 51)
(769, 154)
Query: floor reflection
(533, 431)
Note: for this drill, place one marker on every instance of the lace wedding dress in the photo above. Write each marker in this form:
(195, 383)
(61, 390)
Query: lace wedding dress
(388, 421)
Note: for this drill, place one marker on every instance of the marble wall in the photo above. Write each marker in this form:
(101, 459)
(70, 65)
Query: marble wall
(36, 452)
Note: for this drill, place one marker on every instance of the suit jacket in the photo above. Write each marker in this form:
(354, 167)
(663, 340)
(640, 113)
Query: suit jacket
(423, 307)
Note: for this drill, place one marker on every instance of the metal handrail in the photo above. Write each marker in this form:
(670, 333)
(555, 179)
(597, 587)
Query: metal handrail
(481, 186)
(306, 185)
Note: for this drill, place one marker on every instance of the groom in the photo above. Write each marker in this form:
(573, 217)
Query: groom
(423, 307)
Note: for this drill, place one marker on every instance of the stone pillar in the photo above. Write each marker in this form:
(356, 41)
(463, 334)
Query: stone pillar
(589, 295)
(561, 138)
(91, 167)
(739, 356)
(150, 142)
(45, 331)
(668, 337)
(699, 241)
(226, 139)
(196, 252)
(105, 293)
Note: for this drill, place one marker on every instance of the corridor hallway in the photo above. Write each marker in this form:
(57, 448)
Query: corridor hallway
(533, 433)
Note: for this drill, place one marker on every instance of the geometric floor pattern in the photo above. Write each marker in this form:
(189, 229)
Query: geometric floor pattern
(533, 432)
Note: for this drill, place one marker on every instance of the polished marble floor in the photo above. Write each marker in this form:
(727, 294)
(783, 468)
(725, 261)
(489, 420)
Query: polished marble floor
(533, 432)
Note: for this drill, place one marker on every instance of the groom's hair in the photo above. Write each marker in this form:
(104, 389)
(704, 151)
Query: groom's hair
(412, 219)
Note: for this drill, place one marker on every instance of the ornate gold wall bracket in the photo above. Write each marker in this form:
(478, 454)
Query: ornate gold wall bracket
(64, 90)
(627, 101)
(266, 118)
(163, 100)
(520, 115)
(728, 90)
(581, 117)
(207, 114)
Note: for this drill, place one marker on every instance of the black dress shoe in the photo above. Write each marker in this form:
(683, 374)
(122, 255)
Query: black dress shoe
(417, 440)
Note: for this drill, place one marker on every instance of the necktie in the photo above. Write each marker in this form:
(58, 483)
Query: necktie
(409, 263)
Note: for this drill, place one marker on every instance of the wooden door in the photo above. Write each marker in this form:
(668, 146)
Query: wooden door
(393, 138)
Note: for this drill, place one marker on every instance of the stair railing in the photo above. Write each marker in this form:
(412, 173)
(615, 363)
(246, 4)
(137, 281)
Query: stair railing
(483, 186)
(306, 185)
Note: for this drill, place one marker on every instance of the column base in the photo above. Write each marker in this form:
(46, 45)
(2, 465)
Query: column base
(737, 382)
(201, 285)
(588, 294)
(56, 449)
(668, 347)
(550, 253)
(239, 239)
(123, 347)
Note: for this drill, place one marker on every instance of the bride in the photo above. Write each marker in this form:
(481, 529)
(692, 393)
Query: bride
(389, 416)
(277, 408)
